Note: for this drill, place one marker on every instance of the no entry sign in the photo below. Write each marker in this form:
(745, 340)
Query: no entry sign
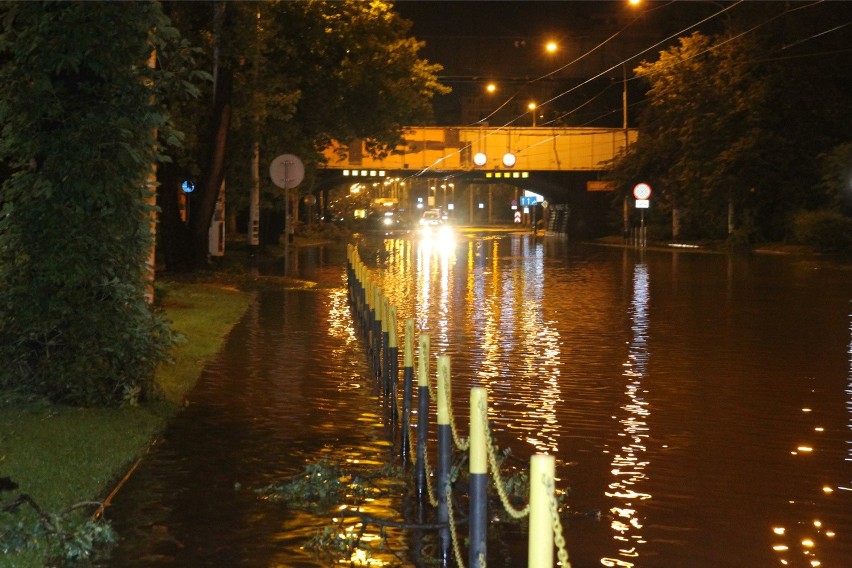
(642, 191)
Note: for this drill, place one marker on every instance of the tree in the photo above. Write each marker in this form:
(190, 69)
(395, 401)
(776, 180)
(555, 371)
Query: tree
(290, 76)
(79, 108)
(735, 123)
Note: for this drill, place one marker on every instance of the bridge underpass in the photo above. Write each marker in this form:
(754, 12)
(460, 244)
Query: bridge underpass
(476, 174)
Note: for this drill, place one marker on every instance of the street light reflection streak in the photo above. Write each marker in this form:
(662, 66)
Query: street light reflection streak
(424, 261)
(849, 399)
(628, 467)
(542, 342)
(485, 310)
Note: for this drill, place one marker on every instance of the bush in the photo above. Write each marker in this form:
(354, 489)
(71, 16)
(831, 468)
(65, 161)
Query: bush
(825, 231)
(79, 120)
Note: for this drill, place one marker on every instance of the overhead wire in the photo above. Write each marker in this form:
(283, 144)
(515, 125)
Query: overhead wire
(600, 45)
(787, 12)
(496, 130)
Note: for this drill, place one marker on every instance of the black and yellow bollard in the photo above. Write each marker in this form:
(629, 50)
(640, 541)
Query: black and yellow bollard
(540, 551)
(422, 415)
(385, 348)
(478, 457)
(377, 332)
(393, 365)
(445, 454)
(407, 384)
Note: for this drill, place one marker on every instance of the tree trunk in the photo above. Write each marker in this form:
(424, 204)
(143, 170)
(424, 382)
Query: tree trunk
(173, 233)
(213, 168)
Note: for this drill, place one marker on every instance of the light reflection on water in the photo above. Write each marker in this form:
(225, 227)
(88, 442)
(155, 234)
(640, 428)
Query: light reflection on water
(686, 454)
(628, 465)
(677, 391)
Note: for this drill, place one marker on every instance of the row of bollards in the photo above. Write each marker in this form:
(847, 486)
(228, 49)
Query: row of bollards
(376, 320)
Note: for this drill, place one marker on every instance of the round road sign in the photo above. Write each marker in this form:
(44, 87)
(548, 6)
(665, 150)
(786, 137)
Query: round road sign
(642, 191)
(287, 171)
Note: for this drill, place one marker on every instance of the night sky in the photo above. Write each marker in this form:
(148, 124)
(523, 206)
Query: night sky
(504, 41)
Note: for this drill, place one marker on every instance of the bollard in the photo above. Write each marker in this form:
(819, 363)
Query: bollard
(385, 375)
(478, 454)
(542, 470)
(356, 294)
(407, 380)
(377, 332)
(369, 315)
(422, 414)
(445, 453)
(393, 364)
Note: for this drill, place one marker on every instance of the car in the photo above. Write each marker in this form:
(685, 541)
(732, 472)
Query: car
(432, 218)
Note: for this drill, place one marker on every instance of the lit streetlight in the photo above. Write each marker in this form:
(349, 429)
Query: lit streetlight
(532, 106)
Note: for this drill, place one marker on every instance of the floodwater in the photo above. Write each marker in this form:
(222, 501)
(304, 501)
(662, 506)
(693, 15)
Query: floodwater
(699, 406)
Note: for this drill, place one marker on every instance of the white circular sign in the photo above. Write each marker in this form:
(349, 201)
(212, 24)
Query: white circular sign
(508, 159)
(287, 171)
(642, 191)
(479, 159)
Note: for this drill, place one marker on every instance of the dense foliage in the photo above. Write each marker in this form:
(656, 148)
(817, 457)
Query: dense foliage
(289, 76)
(737, 127)
(80, 108)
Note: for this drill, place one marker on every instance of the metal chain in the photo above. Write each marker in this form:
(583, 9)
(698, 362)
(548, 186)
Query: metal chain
(495, 470)
(456, 547)
(558, 538)
(412, 444)
(432, 394)
(461, 443)
(433, 500)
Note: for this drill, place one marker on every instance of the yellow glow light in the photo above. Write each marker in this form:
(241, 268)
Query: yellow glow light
(816, 563)
(807, 543)
(805, 449)
(551, 47)
(779, 530)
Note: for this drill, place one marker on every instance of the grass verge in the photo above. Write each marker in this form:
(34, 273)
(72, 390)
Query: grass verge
(61, 455)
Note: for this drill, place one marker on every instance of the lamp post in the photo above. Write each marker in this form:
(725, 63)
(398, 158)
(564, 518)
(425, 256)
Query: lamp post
(532, 106)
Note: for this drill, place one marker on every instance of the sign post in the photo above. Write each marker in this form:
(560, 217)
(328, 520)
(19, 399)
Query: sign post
(642, 193)
(287, 172)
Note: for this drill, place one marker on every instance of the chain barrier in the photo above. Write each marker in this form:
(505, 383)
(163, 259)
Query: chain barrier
(558, 538)
(495, 470)
(433, 499)
(412, 443)
(461, 443)
(492, 449)
(454, 537)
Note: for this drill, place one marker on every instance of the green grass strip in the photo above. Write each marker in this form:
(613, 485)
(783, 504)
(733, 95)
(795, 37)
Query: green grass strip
(61, 455)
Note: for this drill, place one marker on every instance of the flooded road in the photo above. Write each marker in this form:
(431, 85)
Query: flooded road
(701, 403)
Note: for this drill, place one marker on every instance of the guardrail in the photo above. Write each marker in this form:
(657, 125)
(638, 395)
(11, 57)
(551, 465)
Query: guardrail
(376, 319)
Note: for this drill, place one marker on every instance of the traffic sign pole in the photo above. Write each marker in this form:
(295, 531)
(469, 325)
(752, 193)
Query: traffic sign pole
(642, 193)
(287, 172)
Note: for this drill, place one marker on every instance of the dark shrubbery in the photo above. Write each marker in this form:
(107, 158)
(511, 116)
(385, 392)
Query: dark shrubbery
(80, 116)
(825, 231)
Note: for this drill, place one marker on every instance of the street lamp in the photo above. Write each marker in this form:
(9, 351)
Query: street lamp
(532, 106)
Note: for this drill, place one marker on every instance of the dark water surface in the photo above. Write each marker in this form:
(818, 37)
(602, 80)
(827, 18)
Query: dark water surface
(701, 403)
